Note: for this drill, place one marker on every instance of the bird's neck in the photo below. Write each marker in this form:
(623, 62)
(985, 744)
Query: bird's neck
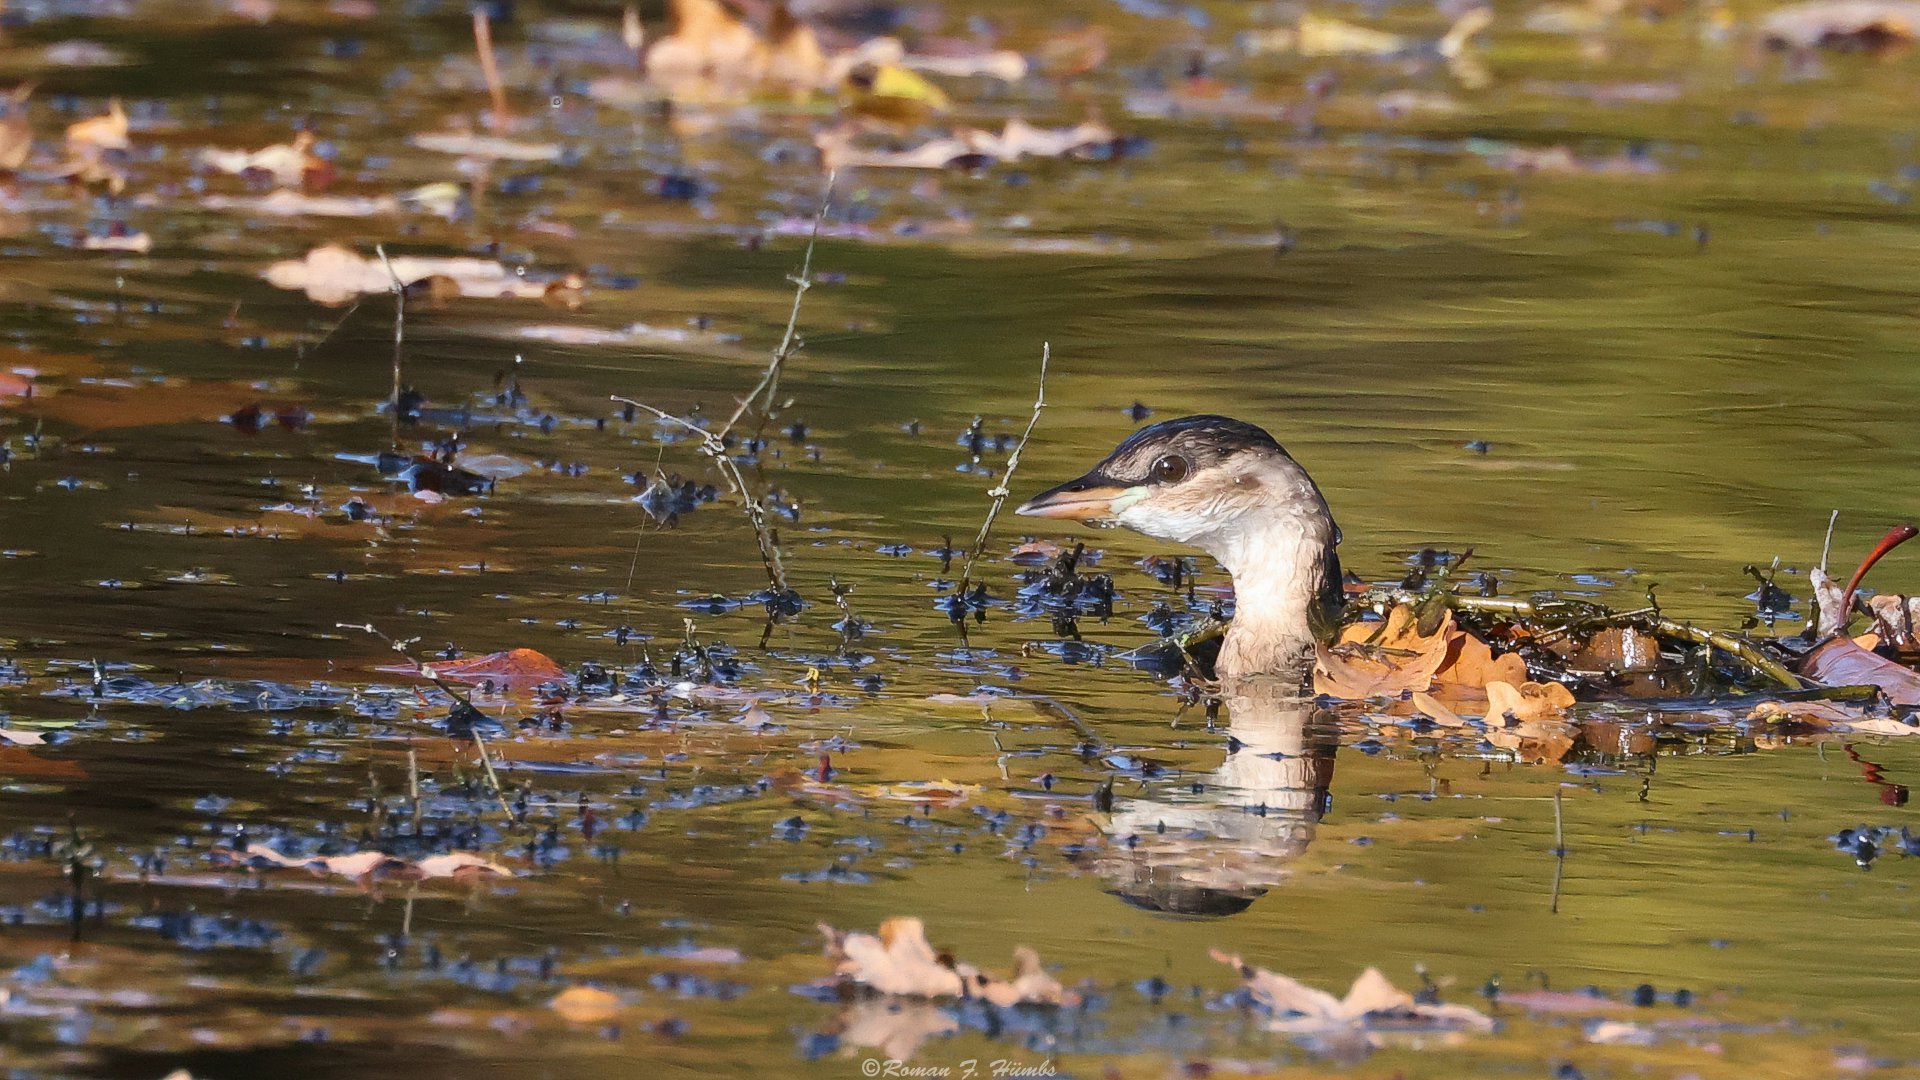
(1279, 580)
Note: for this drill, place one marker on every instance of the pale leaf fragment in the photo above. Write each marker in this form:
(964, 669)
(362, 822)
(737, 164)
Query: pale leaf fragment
(586, 1005)
(899, 961)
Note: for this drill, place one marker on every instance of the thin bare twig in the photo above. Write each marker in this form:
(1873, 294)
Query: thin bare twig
(305, 351)
(1000, 491)
(399, 338)
(483, 43)
(769, 384)
(711, 446)
(1648, 619)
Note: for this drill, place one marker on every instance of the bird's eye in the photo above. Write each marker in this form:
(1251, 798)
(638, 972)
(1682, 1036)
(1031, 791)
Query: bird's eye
(1171, 469)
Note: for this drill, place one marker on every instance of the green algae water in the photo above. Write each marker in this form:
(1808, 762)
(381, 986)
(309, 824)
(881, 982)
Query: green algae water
(1630, 316)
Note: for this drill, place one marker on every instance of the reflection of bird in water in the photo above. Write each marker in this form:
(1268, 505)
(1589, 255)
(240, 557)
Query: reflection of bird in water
(1228, 488)
(1212, 847)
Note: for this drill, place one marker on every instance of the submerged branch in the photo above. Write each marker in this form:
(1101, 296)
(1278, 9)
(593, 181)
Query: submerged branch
(1594, 616)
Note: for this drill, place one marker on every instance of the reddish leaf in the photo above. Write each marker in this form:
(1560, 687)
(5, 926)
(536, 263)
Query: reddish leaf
(515, 667)
(1840, 662)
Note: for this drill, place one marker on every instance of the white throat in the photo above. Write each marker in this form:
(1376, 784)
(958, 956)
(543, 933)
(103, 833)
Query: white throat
(1278, 572)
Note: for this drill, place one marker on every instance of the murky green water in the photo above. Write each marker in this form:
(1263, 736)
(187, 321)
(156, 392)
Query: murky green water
(1683, 350)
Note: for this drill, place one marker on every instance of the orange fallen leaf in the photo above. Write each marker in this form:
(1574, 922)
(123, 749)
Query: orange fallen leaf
(1375, 660)
(1535, 742)
(102, 405)
(515, 667)
(19, 761)
(1470, 663)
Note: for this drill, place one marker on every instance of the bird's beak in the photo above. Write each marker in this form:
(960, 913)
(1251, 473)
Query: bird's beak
(1090, 498)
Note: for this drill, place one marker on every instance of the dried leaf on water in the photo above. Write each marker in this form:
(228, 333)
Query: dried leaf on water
(1376, 660)
(968, 147)
(1435, 711)
(1897, 617)
(97, 149)
(1370, 1005)
(514, 667)
(586, 1005)
(898, 960)
(1322, 35)
(330, 274)
(16, 132)
(290, 164)
(1841, 662)
(1527, 701)
(1830, 715)
(1470, 664)
(711, 53)
(360, 864)
(289, 203)
(473, 145)
(108, 132)
(1862, 25)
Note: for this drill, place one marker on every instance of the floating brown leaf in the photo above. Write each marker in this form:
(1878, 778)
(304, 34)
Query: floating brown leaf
(97, 149)
(333, 275)
(1375, 660)
(1817, 714)
(899, 961)
(1840, 662)
(1527, 701)
(16, 134)
(515, 667)
(1371, 1005)
(1866, 25)
(1470, 663)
